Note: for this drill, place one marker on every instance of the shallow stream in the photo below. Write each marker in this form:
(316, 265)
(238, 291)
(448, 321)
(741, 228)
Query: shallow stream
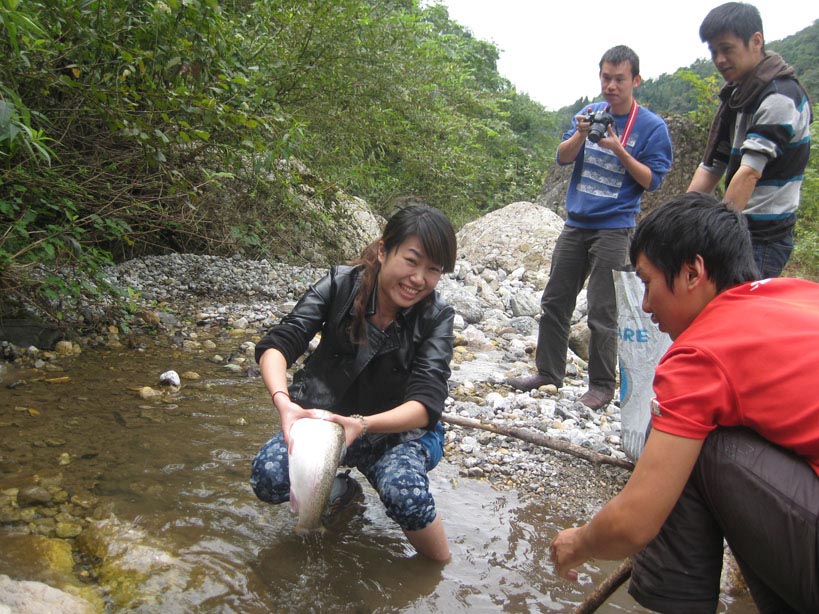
(173, 470)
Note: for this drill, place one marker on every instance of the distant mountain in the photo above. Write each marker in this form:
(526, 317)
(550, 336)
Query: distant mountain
(669, 94)
(672, 94)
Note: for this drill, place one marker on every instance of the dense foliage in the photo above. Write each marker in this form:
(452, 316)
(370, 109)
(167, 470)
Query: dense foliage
(127, 127)
(805, 259)
(131, 127)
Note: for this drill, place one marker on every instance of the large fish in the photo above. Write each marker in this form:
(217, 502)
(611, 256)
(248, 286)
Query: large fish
(316, 449)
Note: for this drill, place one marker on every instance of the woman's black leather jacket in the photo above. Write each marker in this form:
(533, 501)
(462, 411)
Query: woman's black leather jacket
(410, 361)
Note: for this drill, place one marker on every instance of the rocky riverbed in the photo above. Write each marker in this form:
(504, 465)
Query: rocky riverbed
(219, 308)
(495, 291)
(185, 301)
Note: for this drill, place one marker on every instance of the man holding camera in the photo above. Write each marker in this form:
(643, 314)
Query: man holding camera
(619, 150)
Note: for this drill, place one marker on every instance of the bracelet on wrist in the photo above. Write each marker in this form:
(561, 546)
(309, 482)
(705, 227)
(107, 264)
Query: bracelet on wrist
(284, 392)
(364, 425)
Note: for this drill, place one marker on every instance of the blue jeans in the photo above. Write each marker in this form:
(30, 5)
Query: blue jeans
(397, 471)
(772, 257)
(579, 254)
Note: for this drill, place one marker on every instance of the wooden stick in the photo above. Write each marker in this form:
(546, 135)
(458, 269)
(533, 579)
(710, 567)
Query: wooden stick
(539, 439)
(606, 589)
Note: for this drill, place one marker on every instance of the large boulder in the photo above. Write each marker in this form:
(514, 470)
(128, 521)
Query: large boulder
(354, 227)
(522, 234)
(332, 226)
(134, 567)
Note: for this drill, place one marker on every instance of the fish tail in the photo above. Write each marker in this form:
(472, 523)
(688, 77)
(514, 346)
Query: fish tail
(304, 531)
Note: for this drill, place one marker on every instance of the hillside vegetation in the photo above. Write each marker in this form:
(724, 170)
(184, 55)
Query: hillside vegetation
(130, 128)
(693, 87)
(671, 94)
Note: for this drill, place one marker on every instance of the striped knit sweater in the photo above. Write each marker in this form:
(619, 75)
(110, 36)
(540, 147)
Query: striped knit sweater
(772, 135)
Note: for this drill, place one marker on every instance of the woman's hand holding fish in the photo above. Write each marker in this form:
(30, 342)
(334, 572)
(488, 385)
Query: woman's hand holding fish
(354, 426)
(289, 412)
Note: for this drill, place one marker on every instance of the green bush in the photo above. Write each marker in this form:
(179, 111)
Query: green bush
(805, 259)
(128, 128)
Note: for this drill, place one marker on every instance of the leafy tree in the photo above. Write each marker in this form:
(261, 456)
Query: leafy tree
(128, 127)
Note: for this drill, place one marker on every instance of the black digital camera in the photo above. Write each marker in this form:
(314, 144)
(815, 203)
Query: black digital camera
(600, 122)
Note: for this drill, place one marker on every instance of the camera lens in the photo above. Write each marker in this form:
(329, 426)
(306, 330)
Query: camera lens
(600, 121)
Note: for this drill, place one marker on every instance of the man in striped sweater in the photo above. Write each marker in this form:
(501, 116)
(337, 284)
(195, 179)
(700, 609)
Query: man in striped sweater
(760, 137)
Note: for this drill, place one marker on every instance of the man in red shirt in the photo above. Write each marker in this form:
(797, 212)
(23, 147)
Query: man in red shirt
(733, 452)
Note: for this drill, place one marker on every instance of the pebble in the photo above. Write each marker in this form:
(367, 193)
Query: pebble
(146, 392)
(170, 378)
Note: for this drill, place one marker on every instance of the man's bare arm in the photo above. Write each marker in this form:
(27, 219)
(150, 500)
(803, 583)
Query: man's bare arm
(741, 187)
(635, 516)
(703, 181)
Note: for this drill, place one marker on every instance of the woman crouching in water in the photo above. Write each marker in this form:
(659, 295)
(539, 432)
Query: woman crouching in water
(381, 368)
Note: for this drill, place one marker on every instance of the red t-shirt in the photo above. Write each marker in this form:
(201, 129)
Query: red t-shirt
(750, 358)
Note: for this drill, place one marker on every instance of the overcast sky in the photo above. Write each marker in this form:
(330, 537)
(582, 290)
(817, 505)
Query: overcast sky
(551, 49)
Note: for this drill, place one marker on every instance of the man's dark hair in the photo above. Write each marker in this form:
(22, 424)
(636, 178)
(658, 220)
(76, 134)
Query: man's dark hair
(737, 18)
(697, 224)
(619, 54)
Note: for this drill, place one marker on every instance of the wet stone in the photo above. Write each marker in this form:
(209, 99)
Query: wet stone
(68, 529)
(170, 378)
(43, 526)
(64, 348)
(49, 482)
(146, 392)
(9, 515)
(60, 496)
(8, 498)
(27, 514)
(33, 495)
(47, 511)
(84, 501)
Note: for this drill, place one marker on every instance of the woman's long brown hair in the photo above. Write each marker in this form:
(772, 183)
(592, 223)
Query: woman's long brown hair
(437, 237)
